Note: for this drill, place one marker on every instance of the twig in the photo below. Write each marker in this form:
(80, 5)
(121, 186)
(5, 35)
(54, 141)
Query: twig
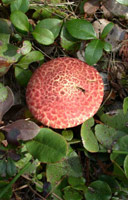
(41, 51)
(54, 187)
(106, 98)
(56, 196)
(36, 193)
(51, 4)
(20, 188)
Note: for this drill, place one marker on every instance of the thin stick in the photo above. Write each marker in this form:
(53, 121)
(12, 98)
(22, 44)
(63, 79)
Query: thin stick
(20, 188)
(36, 193)
(56, 196)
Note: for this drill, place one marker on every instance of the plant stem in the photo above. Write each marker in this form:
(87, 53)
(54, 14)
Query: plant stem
(14, 179)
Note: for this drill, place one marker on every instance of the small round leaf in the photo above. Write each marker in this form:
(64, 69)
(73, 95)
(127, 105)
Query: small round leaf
(3, 166)
(68, 134)
(94, 51)
(11, 168)
(70, 193)
(106, 30)
(81, 29)
(26, 48)
(88, 138)
(121, 144)
(107, 46)
(98, 190)
(29, 58)
(107, 135)
(43, 35)
(20, 21)
(22, 5)
(52, 24)
(68, 42)
(5, 30)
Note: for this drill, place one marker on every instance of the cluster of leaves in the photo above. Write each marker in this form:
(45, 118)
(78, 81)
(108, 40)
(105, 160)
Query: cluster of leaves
(27, 145)
(44, 32)
(64, 171)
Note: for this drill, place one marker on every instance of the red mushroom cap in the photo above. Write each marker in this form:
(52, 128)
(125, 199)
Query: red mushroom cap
(64, 92)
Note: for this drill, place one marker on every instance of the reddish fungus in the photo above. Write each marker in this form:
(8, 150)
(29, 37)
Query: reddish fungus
(64, 92)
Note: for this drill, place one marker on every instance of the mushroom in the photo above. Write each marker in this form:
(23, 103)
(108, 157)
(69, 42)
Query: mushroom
(64, 92)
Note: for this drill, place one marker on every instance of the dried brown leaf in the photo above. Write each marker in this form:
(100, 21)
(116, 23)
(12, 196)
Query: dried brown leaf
(22, 130)
(91, 6)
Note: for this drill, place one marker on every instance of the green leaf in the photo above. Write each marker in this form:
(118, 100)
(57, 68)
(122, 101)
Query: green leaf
(74, 181)
(68, 42)
(70, 166)
(43, 35)
(107, 135)
(8, 194)
(22, 5)
(29, 58)
(98, 190)
(106, 30)
(26, 48)
(3, 168)
(22, 75)
(48, 146)
(70, 193)
(11, 168)
(118, 172)
(107, 46)
(67, 134)
(117, 157)
(126, 165)
(112, 182)
(9, 53)
(20, 21)
(124, 2)
(44, 12)
(113, 121)
(77, 183)
(5, 30)
(88, 138)
(121, 144)
(94, 51)
(3, 93)
(125, 105)
(81, 29)
(52, 24)
(25, 159)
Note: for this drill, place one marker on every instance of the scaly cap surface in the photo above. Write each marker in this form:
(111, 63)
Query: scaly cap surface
(64, 92)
